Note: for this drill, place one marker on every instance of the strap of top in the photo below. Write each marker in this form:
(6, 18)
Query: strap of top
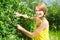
(40, 21)
(35, 24)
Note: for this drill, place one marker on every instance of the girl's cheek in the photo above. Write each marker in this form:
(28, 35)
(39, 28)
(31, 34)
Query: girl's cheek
(41, 15)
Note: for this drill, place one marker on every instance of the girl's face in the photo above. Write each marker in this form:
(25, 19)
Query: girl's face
(39, 13)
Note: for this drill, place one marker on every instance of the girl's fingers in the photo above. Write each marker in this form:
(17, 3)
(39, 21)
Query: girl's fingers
(17, 14)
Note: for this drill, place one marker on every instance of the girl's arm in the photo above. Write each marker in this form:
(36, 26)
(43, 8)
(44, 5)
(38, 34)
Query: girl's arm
(29, 34)
(25, 16)
(36, 32)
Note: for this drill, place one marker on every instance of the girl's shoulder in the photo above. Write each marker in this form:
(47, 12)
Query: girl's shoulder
(46, 23)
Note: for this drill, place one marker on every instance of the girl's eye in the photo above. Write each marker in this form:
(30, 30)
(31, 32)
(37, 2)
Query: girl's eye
(36, 10)
(40, 14)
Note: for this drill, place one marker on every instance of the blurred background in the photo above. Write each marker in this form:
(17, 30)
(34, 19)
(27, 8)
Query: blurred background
(8, 20)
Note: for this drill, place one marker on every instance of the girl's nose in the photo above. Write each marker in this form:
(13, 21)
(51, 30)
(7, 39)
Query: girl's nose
(37, 12)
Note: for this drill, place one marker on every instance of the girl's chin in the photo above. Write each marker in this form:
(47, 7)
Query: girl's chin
(39, 17)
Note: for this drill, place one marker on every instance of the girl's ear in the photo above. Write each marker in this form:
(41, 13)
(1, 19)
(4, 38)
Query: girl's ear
(43, 15)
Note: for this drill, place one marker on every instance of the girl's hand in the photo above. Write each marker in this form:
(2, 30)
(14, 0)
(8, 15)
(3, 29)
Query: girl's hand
(19, 27)
(25, 16)
(17, 14)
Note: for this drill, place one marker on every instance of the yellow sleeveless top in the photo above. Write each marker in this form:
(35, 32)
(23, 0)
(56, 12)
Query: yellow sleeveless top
(43, 35)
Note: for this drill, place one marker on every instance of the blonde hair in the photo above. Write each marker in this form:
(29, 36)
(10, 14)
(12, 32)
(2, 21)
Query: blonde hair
(42, 7)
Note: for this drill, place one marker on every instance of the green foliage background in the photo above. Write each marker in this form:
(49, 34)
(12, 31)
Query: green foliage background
(54, 16)
(8, 20)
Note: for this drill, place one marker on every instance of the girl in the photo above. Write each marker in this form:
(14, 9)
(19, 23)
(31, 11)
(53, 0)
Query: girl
(41, 29)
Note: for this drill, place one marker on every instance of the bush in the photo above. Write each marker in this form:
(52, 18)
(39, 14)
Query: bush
(8, 20)
(54, 16)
